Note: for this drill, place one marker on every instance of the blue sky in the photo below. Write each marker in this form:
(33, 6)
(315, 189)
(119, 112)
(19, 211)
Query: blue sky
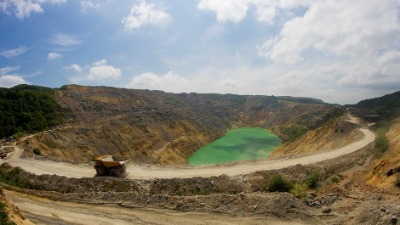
(335, 50)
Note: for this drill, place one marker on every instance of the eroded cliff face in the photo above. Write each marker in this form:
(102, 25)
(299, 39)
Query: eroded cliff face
(384, 172)
(157, 127)
(334, 134)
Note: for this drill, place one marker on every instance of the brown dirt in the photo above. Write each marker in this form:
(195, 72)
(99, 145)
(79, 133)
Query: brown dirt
(336, 134)
(14, 214)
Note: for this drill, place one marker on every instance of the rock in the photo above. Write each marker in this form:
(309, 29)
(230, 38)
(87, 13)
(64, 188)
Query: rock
(326, 210)
(393, 220)
(312, 195)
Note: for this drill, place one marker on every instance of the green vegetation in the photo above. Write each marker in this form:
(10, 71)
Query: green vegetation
(312, 179)
(237, 144)
(13, 178)
(335, 178)
(296, 130)
(378, 109)
(37, 151)
(4, 220)
(299, 190)
(278, 183)
(293, 132)
(27, 109)
(302, 100)
(381, 143)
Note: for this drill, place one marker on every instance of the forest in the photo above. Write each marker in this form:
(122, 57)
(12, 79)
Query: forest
(26, 109)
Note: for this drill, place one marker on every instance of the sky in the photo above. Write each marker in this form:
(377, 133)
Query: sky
(339, 51)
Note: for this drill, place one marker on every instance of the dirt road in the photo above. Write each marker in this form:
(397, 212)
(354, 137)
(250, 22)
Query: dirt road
(149, 172)
(44, 211)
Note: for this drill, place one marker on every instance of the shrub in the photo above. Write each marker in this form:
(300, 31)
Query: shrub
(312, 179)
(277, 183)
(299, 190)
(37, 151)
(335, 178)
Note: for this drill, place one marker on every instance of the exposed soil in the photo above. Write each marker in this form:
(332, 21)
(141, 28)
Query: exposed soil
(241, 198)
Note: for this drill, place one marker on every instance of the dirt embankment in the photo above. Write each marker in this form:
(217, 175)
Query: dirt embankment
(335, 134)
(9, 213)
(243, 195)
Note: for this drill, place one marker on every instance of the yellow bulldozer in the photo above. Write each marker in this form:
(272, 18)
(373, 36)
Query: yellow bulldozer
(108, 165)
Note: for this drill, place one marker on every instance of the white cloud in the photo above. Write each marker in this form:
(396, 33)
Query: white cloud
(168, 82)
(230, 84)
(14, 52)
(236, 10)
(52, 1)
(74, 67)
(101, 71)
(11, 81)
(145, 14)
(6, 70)
(89, 4)
(233, 10)
(336, 28)
(23, 8)
(54, 55)
(65, 40)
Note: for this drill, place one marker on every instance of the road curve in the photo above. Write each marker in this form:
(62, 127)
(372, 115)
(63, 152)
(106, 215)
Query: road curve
(150, 172)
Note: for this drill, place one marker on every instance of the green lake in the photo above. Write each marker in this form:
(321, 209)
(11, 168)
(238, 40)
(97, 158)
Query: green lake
(238, 144)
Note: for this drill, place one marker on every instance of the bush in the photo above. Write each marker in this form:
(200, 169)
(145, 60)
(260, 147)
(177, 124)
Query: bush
(299, 190)
(335, 178)
(37, 151)
(312, 179)
(277, 183)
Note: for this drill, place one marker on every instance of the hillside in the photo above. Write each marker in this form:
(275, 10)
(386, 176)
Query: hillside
(334, 134)
(385, 107)
(163, 128)
(384, 171)
(27, 109)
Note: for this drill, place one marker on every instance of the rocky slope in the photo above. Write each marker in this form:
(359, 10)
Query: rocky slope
(162, 128)
(385, 171)
(9, 214)
(334, 134)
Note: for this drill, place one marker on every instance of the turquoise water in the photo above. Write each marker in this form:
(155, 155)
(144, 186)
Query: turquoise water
(237, 144)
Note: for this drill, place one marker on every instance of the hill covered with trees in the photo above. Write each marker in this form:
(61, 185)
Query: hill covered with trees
(27, 109)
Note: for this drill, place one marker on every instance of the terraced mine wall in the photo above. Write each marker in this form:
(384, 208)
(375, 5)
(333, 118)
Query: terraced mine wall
(162, 128)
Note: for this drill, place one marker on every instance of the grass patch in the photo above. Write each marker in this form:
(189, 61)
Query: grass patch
(381, 143)
(335, 178)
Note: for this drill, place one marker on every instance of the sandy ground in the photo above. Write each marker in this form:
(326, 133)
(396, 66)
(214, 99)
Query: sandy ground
(44, 211)
(150, 172)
